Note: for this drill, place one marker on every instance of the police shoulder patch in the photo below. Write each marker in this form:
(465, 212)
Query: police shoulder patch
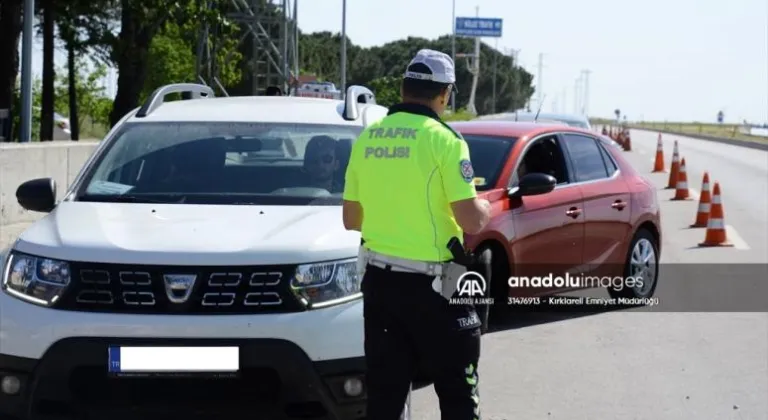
(467, 172)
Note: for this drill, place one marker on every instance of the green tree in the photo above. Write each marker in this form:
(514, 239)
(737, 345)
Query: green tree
(10, 32)
(383, 66)
(92, 101)
(84, 26)
(141, 21)
(387, 90)
(37, 89)
(172, 54)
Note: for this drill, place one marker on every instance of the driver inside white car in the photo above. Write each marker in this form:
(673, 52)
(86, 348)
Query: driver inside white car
(321, 164)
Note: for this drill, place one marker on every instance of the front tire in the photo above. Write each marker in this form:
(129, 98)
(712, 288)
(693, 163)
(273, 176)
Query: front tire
(641, 263)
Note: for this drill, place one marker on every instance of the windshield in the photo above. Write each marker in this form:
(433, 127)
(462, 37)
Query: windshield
(223, 163)
(488, 155)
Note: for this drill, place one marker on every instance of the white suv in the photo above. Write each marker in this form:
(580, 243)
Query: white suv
(196, 266)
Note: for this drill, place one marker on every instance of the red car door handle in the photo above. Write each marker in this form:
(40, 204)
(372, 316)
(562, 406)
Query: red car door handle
(619, 205)
(573, 212)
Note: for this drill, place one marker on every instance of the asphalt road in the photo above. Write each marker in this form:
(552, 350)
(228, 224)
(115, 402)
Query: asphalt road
(629, 365)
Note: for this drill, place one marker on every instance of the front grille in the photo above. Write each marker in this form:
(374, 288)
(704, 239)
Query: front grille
(180, 290)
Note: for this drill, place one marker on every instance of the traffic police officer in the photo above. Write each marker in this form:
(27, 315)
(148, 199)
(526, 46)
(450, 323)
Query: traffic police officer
(410, 190)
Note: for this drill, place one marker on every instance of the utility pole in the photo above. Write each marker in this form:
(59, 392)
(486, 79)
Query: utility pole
(565, 101)
(514, 54)
(495, 71)
(471, 108)
(576, 91)
(296, 41)
(25, 130)
(585, 105)
(453, 53)
(539, 84)
(344, 48)
(286, 35)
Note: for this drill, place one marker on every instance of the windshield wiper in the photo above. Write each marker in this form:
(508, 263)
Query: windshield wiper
(132, 198)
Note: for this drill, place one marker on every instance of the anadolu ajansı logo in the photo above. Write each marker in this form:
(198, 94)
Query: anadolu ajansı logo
(471, 287)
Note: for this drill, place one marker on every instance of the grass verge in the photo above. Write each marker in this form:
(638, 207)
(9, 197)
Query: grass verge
(459, 115)
(722, 131)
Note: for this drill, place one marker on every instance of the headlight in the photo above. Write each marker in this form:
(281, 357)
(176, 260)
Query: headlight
(325, 284)
(35, 279)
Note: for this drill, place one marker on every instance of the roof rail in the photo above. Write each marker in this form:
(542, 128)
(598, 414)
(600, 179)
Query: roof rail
(192, 91)
(356, 95)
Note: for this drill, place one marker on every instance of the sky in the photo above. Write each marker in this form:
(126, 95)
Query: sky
(673, 60)
(680, 60)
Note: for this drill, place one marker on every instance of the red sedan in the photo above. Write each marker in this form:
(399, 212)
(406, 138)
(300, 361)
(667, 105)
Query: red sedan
(564, 201)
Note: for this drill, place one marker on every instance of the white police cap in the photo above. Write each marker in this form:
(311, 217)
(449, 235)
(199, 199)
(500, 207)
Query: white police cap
(439, 63)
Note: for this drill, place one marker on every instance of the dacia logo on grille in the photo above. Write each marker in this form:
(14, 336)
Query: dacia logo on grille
(178, 287)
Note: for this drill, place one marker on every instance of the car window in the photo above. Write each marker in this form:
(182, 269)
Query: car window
(608, 160)
(545, 156)
(586, 157)
(488, 155)
(222, 163)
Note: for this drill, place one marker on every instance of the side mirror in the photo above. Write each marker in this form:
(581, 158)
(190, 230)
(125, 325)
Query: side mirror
(37, 195)
(534, 184)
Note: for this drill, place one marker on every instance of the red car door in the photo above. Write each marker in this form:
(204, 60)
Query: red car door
(606, 204)
(548, 228)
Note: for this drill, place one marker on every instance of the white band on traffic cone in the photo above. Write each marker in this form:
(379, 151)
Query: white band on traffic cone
(715, 224)
(705, 187)
(682, 185)
(704, 208)
(716, 200)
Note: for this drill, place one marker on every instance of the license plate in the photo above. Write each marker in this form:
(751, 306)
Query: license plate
(173, 360)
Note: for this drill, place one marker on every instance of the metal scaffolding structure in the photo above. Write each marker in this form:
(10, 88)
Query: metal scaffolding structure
(268, 38)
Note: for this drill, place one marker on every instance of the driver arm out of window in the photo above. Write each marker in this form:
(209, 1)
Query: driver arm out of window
(352, 211)
(471, 213)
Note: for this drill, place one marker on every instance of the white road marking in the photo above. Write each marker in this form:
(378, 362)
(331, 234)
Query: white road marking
(733, 237)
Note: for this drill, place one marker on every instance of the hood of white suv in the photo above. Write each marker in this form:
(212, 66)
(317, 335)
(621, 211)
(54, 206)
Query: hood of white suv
(185, 234)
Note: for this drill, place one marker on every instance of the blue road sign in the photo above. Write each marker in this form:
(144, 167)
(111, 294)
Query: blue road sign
(478, 27)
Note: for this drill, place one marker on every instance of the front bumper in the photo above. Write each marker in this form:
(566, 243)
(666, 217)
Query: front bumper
(330, 333)
(277, 380)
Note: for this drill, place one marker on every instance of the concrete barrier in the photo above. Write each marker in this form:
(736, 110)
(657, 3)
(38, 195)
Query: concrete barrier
(61, 161)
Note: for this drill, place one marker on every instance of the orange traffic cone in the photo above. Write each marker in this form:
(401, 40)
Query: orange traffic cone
(716, 235)
(681, 191)
(674, 168)
(658, 164)
(702, 215)
(628, 143)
